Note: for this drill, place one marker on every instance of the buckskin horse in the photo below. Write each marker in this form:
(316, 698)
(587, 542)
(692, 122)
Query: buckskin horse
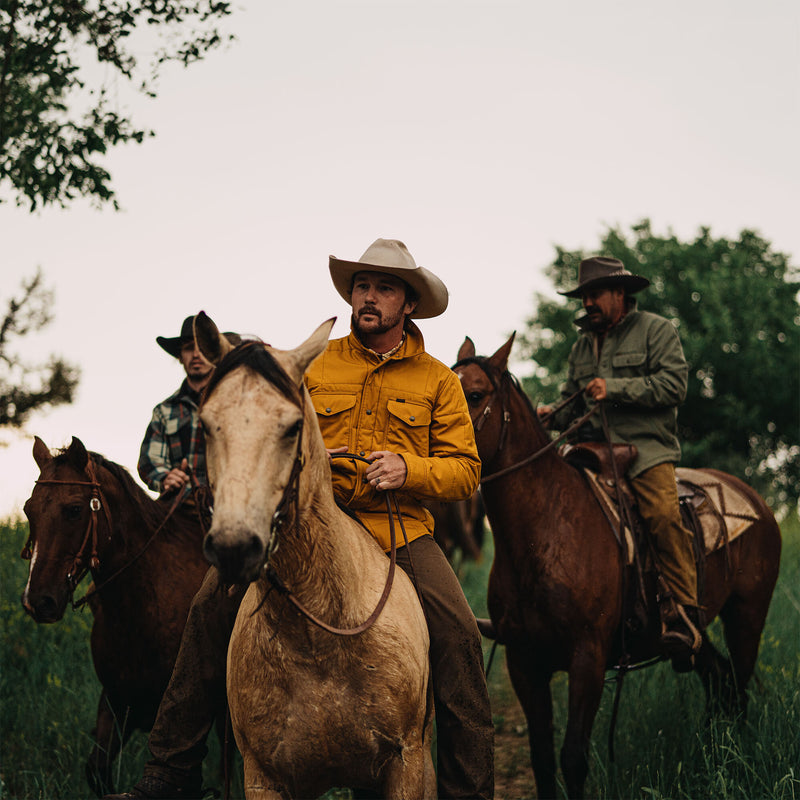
(555, 592)
(328, 661)
(87, 514)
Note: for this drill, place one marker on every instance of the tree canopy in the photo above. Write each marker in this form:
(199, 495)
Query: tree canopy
(26, 388)
(59, 112)
(735, 305)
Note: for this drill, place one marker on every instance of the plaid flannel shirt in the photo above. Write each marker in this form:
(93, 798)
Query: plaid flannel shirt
(174, 433)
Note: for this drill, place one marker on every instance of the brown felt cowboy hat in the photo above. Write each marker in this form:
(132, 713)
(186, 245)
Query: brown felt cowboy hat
(600, 272)
(173, 344)
(392, 257)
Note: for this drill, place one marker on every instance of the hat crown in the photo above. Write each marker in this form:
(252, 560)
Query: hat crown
(600, 268)
(388, 253)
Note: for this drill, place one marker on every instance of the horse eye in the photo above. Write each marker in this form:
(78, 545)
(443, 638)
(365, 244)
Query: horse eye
(72, 512)
(474, 398)
(294, 430)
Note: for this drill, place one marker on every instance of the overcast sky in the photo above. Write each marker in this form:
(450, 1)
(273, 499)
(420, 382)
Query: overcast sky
(482, 134)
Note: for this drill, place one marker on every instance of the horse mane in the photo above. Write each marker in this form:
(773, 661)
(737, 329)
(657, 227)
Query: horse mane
(151, 511)
(254, 354)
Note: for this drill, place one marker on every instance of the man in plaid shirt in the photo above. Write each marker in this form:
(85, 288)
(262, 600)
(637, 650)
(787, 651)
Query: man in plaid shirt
(174, 446)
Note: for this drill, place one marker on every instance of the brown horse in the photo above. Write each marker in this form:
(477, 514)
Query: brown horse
(311, 708)
(87, 514)
(556, 587)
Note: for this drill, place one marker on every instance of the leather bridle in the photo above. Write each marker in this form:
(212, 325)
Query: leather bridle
(81, 564)
(480, 418)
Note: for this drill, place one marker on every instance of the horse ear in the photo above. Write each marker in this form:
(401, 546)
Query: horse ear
(41, 453)
(467, 350)
(302, 356)
(212, 344)
(77, 455)
(500, 359)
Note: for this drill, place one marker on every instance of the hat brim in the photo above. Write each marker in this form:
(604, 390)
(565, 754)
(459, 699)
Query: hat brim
(173, 344)
(433, 295)
(631, 284)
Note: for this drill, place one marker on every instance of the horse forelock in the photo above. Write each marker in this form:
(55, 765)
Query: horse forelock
(256, 356)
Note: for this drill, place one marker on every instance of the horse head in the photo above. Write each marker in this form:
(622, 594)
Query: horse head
(61, 511)
(253, 414)
(480, 379)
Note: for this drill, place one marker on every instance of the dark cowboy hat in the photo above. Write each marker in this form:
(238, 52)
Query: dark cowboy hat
(600, 272)
(392, 257)
(173, 344)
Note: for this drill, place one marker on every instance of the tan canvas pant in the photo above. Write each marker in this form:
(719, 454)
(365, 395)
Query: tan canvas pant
(657, 496)
(464, 728)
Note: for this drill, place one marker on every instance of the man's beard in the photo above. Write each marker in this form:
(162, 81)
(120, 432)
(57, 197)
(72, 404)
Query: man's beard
(383, 324)
(597, 323)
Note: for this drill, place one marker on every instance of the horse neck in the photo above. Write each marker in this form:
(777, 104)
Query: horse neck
(520, 503)
(315, 553)
(134, 517)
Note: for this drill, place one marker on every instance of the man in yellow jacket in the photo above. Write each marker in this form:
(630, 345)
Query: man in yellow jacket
(377, 393)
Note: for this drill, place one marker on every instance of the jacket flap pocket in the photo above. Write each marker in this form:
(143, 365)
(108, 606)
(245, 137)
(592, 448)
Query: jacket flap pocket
(326, 405)
(410, 413)
(629, 359)
(174, 424)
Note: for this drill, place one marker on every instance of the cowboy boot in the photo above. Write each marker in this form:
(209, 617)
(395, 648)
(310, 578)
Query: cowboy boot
(680, 634)
(152, 788)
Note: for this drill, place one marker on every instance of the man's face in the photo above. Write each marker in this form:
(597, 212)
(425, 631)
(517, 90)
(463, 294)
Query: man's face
(604, 306)
(197, 368)
(379, 302)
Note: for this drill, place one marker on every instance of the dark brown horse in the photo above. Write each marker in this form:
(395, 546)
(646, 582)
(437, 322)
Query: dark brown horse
(87, 513)
(556, 587)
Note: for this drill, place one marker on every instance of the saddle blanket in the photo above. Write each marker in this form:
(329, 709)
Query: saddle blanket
(722, 511)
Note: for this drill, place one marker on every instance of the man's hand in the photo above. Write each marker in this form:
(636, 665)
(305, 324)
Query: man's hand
(596, 389)
(332, 450)
(176, 478)
(387, 470)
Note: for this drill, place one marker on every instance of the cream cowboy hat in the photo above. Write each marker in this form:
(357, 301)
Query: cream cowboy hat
(392, 257)
(599, 271)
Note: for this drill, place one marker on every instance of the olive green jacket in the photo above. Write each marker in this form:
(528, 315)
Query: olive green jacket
(646, 377)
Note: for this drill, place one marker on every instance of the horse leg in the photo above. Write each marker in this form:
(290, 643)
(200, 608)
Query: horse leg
(257, 786)
(714, 670)
(586, 677)
(109, 734)
(410, 776)
(532, 687)
(743, 623)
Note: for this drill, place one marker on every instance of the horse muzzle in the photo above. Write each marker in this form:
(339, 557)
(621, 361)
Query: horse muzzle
(44, 608)
(238, 553)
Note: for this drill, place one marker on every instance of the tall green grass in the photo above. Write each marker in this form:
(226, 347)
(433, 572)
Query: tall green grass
(664, 746)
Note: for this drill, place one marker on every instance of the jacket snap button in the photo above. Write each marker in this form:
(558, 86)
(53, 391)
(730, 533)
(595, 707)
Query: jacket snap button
(412, 418)
(328, 410)
(369, 411)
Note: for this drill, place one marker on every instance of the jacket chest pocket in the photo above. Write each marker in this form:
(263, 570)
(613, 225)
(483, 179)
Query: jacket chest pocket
(629, 362)
(335, 417)
(583, 372)
(178, 435)
(408, 427)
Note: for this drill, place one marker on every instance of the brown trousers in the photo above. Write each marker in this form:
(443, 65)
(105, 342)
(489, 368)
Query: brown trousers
(657, 496)
(196, 695)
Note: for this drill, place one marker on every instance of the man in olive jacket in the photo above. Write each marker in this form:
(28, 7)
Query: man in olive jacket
(632, 362)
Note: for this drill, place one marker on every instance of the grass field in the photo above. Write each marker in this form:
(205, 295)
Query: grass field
(664, 746)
